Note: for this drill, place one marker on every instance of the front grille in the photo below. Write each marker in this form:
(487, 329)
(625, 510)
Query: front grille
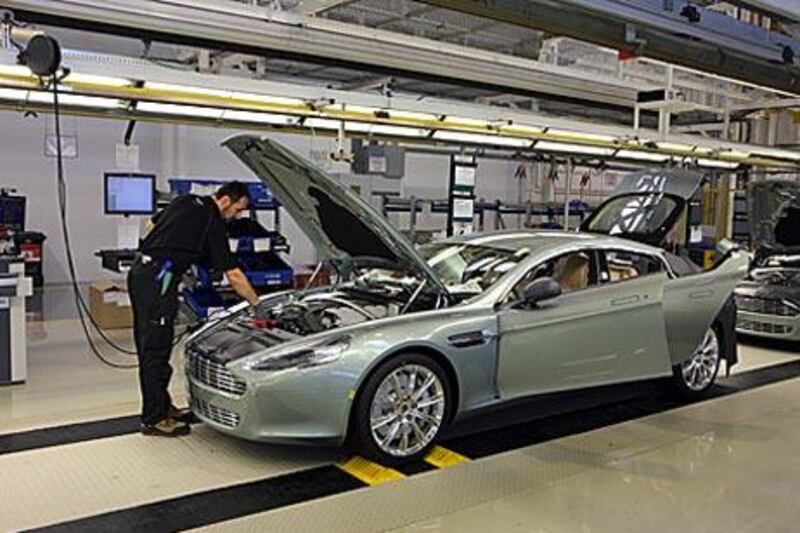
(219, 415)
(764, 306)
(763, 327)
(214, 374)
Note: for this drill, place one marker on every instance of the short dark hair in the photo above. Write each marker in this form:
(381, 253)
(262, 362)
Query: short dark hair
(235, 190)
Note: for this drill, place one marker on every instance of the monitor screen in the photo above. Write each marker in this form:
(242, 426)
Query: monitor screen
(12, 212)
(130, 194)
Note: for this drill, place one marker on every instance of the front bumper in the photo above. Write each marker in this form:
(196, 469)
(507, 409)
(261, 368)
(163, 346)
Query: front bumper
(766, 325)
(292, 406)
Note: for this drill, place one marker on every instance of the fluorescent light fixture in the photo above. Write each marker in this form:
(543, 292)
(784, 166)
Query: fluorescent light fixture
(260, 118)
(105, 81)
(13, 94)
(321, 123)
(713, 163)
(182, 110)
(548, 146)
(383, 129)
(478, 138)
(581, 136)
(41, 97)
(641, 156)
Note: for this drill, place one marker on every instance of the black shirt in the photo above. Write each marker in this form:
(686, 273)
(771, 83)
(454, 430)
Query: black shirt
(190, 230)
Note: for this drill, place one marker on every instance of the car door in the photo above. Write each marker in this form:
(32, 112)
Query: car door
(638, 311)
(692, 302)
(581, 338)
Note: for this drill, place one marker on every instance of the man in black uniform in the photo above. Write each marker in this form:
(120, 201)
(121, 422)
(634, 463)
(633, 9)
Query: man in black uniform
(190, 229)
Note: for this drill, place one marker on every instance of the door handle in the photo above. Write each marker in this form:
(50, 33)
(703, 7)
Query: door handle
(625, 300)
(697, 295)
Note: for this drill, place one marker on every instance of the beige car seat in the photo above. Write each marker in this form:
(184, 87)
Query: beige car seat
(620, 270)
(573, 272)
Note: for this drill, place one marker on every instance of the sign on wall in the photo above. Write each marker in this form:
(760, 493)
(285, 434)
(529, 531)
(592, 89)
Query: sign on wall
(461, 196)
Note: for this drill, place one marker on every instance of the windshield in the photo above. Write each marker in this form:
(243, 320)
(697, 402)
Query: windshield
(470, 268)
(633, 214)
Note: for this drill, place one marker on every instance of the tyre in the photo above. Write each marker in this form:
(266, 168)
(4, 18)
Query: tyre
(401, 410)
(693, 378)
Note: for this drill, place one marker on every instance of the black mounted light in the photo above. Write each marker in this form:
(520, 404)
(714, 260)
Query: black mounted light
(42, 55)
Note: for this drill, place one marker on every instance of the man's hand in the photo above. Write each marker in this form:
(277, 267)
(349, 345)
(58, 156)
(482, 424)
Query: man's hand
(260, 313)
(242, 286)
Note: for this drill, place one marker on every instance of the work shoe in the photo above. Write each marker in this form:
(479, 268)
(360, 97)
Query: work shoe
(168, 427)
(184, 415)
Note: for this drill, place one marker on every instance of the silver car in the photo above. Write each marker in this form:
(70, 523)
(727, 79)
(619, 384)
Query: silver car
(407, 342)
(769, 299)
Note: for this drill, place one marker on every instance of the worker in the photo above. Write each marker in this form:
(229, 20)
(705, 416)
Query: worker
(191, 229)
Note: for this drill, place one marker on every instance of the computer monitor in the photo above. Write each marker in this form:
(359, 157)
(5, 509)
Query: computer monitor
(12, 212)
(130, 194)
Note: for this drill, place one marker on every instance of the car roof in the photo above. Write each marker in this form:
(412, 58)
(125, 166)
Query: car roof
(541, 239)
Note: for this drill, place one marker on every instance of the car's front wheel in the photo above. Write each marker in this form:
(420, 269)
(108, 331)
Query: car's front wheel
(695, 376)
(402, 409)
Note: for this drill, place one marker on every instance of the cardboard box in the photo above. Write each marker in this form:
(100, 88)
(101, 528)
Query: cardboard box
(110, 304)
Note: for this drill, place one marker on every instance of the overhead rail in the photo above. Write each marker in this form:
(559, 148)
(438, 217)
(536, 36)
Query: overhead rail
(280, 34)
(674, 31)
(149, 98)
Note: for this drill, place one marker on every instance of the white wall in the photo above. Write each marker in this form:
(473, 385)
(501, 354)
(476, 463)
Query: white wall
(175, 151)
(25, 168)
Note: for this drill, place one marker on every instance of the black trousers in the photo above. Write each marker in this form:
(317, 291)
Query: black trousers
(153, 331)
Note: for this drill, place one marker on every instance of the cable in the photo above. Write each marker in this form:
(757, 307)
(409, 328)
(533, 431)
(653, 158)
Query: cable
(80, 302)
(62, 204)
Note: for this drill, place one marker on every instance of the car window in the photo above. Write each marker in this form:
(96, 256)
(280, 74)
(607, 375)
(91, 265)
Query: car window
(574, 271)
(622, 265)
(640, 214)
(470, 268)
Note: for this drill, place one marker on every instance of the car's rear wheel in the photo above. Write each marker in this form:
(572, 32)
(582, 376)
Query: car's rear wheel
(402, 409)
(695, 376)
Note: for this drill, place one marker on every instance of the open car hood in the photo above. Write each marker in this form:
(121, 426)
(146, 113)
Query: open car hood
(646, 205)
(774, 213)
(340, 224)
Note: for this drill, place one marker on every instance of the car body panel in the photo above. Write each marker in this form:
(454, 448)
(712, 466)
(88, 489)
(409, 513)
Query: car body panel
(691, 303)
(574, 341)
(339, 223)
(314, 403)
(646, 205)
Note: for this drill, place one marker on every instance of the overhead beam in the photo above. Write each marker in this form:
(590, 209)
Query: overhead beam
(280, 35)
(715, 43)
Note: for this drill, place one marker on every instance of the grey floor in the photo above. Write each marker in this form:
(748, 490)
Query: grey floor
(729, 464)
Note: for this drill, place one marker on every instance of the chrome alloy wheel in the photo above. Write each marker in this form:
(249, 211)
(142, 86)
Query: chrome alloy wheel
(407, 410)
(699, 371)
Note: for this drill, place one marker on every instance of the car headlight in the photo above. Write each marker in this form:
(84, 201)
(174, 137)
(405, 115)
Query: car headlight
(304, 357)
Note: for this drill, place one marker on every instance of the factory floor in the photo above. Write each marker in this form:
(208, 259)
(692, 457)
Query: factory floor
(71, 459)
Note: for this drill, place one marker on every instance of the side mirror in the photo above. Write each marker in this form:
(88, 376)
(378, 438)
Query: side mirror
(540, 290)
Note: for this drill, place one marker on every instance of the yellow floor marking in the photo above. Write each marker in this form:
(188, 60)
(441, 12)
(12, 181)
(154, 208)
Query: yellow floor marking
(369, 472)
(444, 458)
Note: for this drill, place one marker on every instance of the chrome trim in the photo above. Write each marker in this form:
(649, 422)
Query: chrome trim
(217, 414)
(766, 306)
(212, 373)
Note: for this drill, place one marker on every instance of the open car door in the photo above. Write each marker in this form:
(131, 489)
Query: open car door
(691, 303)
(646, 206)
